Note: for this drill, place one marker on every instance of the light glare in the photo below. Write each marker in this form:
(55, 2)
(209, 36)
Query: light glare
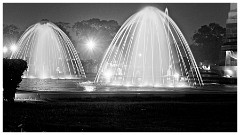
(176, 75)
(5, 49)
(90, 44)
(108, 75)
(13, 48)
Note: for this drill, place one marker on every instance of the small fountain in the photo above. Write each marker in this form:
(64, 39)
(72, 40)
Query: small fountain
(49, 52)
(149, 50)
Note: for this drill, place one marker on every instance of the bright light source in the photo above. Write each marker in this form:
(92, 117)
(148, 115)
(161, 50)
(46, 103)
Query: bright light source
(5, 49)
(181, 85)
(43, 76)
(89, 88)
(13, 48)
(108, 75)
(128, 84)
(90, 44)
(116, 84)
(157, 85)
(228, 73)
(228, 76)
(176, 75)
(30, 76)
(206, 67)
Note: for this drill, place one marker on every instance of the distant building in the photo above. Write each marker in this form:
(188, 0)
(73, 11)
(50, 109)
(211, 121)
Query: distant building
(228, 55)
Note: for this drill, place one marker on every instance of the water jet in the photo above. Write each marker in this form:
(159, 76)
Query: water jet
(49, 52)
(149, 50)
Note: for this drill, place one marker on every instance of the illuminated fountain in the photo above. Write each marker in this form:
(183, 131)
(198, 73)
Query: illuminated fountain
(149, 50)
(49, 53)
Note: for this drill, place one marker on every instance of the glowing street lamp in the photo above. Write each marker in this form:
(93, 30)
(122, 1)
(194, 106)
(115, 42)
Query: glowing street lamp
(176, 76)
(13, 48)
(108, 75)
(5, 49)
(90, 45)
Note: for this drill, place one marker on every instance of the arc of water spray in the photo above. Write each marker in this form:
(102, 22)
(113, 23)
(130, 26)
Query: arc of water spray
(52, 43)
(143, 30)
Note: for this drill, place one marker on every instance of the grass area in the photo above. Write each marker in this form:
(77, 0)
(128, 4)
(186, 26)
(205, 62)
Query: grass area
(122, 115)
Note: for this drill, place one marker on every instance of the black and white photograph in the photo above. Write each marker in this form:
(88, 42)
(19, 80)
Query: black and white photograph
(119, 67)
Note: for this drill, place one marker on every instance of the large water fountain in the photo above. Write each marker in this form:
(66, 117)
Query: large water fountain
(149, 50)
(49, 53)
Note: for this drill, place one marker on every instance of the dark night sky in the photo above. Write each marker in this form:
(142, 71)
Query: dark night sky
(189, 17)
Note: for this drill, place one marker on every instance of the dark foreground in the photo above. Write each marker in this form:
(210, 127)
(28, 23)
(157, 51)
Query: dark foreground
(202, 112)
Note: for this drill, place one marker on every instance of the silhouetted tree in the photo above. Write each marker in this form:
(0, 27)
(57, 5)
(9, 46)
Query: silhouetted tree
(65, 28)
(12, 71)
(89, 65)
(11, 33)
(86, 27)
(207, 42)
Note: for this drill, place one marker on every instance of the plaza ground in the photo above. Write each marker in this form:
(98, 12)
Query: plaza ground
(208, 109)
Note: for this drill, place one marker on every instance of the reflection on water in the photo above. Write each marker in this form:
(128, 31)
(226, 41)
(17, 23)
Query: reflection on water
(78, 85)
(27, 97)
(50, 85)
(89, 88)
